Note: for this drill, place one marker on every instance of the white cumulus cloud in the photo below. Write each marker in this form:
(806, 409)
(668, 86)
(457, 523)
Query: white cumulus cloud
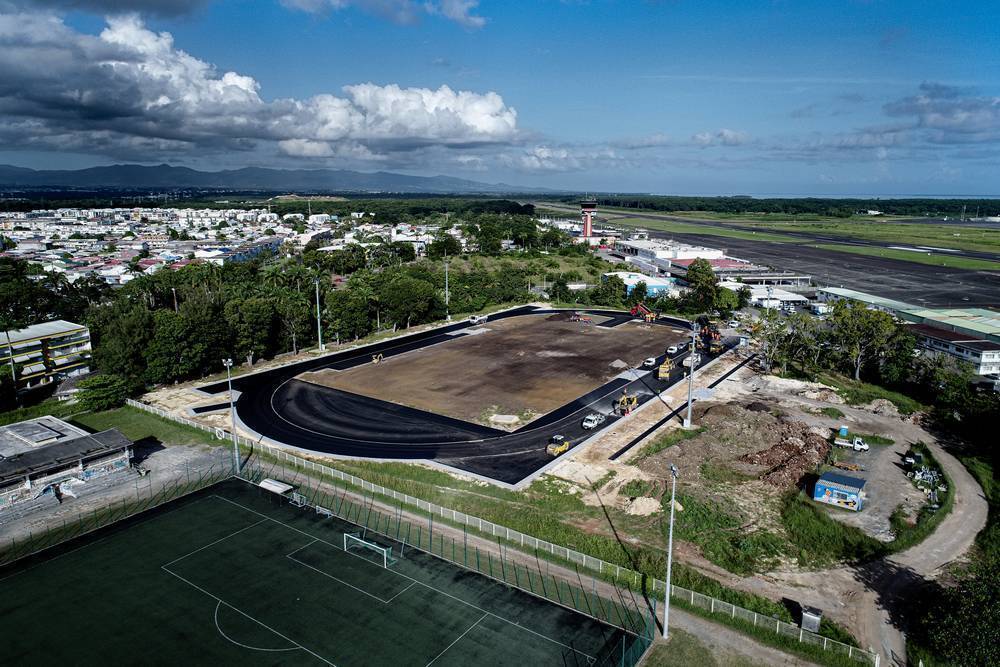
(130, 88)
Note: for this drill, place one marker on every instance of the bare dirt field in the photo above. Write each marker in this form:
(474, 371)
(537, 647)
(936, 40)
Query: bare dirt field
(525, 366)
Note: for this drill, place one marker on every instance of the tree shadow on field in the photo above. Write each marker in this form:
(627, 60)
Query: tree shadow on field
(633, 564)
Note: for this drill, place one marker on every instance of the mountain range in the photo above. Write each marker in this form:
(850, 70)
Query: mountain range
(164, 176)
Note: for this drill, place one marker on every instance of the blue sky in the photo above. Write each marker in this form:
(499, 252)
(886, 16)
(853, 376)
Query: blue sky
(681, 97)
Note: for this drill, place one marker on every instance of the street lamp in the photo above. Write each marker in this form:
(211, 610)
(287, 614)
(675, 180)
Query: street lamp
(228, 363)
(319, 327)
(692, 357)
(447, 311)
(670, 550)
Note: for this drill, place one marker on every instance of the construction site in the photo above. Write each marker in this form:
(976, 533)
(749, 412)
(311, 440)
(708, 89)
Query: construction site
(508, 372)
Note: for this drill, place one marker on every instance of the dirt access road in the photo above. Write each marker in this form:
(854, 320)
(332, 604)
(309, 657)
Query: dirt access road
(871, 599)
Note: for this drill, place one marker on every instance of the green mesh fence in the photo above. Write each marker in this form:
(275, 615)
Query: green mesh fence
(521, 570)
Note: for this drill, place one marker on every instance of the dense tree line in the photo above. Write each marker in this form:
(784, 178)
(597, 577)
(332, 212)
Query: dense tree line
(177, 325)
(805, 206)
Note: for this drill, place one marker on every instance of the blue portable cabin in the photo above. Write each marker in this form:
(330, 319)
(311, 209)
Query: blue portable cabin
(840, 491)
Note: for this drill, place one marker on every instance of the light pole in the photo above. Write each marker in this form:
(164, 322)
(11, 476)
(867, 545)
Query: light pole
(174, 290)
(670, 552)
(692, 358)
(447, 312)
(319, 327)
(228, 363)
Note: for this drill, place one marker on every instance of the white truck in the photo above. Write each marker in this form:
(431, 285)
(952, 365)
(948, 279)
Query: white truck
(478, 319)
(856, 443)
(593, 420)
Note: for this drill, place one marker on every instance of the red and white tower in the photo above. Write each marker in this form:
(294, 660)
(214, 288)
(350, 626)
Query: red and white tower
(588, 208)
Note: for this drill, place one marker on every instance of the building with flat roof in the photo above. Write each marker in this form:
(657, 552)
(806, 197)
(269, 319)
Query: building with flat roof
(834, 294)
(767, 296)
(46, 352)
(47, 458)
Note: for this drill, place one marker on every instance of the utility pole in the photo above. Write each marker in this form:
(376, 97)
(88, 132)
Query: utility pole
(319, 327)
(670, 552)
(692, 356)
(174, 290)
(447, 311)
(228, 363)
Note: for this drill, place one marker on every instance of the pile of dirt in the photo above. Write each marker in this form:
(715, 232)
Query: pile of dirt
(561, 316)
(883, 406)
(797, 453)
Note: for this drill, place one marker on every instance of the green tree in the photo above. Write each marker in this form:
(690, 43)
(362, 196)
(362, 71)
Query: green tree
(743, 296)
(611, 292)
(409, 300)
(251, 323)
(861, 334)
(771, 332)
(703, 284)
(560, 290)
(102, 392)
(121, 332)
(638, 294)
(444, 245)
(726, 302)
(163, 355)
(962, 624)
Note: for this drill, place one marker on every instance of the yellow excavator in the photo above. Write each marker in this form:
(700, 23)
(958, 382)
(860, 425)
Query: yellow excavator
(663, 372)
(558, 444)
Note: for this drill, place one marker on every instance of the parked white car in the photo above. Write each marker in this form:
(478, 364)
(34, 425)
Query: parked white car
(649, 363)
(593, 420)
(672, 350)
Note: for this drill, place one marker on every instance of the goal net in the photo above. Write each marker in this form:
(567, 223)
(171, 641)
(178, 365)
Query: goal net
(380, 555)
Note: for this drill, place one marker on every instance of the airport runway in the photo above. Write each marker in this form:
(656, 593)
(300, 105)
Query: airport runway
(911, 282)
(283, 410)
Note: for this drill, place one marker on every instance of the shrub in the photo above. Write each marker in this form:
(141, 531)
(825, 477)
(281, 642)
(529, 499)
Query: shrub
(102, 392)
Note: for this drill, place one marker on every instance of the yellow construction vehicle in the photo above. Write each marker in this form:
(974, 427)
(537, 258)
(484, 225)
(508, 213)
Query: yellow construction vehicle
(377, 358)
(627, 403)
(663, 372)
(558, 444)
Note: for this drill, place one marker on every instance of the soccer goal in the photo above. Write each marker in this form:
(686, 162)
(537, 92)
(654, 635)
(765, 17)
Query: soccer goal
(353, 542)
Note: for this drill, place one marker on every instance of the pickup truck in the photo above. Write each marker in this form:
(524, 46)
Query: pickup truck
(478, 319)
(593, 420)
(857, 443)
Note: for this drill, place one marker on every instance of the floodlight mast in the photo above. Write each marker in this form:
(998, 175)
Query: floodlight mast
(670, 551)
(692, 358)
(228, 363)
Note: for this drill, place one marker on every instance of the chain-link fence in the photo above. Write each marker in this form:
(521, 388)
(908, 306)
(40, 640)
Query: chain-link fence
(609, 571)
(514, 569)
(146, 496)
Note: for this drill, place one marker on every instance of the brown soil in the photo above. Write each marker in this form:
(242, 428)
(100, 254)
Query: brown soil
(521, 366)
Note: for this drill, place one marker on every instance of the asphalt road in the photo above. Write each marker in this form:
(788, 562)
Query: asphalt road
(286, 411)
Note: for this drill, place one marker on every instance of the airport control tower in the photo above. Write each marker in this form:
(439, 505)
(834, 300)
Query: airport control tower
(588, 208)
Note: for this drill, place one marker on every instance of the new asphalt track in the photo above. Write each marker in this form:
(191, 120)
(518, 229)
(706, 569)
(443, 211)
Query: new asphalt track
(282, 410)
